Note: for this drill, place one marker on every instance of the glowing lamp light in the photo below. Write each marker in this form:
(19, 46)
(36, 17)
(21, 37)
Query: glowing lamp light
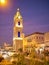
(2, 2)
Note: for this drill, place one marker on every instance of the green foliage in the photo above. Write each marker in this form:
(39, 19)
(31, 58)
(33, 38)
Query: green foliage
(21, 60)
(37, 61)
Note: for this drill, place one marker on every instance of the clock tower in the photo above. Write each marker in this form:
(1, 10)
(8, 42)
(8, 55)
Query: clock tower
(17, 31)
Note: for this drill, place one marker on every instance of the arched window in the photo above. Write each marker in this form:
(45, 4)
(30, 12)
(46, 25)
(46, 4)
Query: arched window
(18, 34)
(19, 23)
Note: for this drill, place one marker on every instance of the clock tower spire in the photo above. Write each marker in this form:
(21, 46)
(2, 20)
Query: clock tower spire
(17, 31)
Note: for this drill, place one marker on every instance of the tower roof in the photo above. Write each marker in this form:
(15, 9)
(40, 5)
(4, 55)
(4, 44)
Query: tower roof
(17, 15)
(18, 12)
(18, 9)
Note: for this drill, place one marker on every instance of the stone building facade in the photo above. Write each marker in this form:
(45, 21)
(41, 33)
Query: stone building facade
(36, 39)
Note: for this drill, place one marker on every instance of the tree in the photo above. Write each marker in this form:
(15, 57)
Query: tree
(21, 59)
(32, 57)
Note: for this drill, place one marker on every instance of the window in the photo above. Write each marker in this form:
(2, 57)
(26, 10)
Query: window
(18, 34)
(18, 23)
(42, 38)
(36, 37)
(29, 40)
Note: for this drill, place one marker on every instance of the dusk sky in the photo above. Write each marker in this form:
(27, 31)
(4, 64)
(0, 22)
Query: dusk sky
(35, 15)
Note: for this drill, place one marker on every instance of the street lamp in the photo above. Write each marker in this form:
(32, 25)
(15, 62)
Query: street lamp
(2, 2)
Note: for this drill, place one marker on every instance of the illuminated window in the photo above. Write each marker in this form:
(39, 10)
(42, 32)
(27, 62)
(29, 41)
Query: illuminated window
(18, 23)
(18, 34)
